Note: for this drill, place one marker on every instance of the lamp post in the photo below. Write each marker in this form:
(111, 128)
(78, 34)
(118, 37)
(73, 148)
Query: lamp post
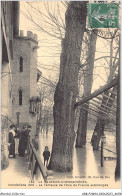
(103, 140)
(18, 113)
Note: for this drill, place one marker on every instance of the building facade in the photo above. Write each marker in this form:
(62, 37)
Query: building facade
(24, 91)
(9, 27)
(19, 100)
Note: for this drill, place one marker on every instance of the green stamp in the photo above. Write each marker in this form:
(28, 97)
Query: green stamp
(103, 15)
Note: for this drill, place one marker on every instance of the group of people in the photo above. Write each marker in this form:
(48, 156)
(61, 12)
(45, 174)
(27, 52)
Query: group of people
(18, 140)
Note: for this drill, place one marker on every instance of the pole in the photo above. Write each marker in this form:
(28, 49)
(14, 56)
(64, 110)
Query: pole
(47, 124)
(101, 153)
(18, 113)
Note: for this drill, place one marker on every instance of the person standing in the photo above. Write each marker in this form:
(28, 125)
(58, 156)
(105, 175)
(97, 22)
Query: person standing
(16, 138)
(46, 155)
(11, 141)
(27, 136)
(22, 142)
(35, 142)
(94, 141)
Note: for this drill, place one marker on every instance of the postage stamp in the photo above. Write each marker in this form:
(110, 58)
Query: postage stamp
(103, 15)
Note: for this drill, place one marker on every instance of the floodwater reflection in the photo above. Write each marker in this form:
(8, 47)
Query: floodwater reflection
(86, 162)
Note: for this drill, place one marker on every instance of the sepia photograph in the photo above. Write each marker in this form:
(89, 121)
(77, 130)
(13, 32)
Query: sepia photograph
(60, 95)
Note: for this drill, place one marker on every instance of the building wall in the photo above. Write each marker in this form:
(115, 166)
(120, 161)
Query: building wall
(26, 80)
(5, 78)
(21, 80)
(33, 84)
(6, 41)
(8, 11)
(6, 104)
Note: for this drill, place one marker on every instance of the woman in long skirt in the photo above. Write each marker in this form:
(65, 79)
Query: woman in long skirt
(11, 141)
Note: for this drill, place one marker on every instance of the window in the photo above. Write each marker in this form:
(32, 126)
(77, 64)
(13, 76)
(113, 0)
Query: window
(21, 64)
(20, 97)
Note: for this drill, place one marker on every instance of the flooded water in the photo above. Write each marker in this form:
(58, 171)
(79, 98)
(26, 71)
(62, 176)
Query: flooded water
(87, 171)
(86, 162)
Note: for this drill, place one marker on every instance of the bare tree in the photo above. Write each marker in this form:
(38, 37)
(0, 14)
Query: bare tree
(117, 170)
(46, 89)
(88, 81)
(113, 65)
(45, 18)
(67, 89)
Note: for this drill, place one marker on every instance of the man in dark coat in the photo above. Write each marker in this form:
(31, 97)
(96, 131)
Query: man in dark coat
(11, 141)
(22, 142)
(27, 135)
(46, 155)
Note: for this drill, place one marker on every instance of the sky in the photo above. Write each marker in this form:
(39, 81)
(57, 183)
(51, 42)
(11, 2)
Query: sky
(49, 47)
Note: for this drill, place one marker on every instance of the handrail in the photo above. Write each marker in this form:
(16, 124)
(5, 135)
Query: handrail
(36, 162)
(39, 161)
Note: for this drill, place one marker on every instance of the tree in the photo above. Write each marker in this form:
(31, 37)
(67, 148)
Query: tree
(117, 170)
(88, 81)
(46, 89)
(67, 89)
(47, 19)
(106, 101)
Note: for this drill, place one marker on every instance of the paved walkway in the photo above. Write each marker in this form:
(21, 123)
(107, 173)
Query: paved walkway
(16, 173)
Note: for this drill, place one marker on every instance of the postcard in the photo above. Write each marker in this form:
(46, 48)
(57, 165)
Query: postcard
(60, 96)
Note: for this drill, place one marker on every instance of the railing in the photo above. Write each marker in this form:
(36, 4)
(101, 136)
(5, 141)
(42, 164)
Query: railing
(35, 163)
(109, 157)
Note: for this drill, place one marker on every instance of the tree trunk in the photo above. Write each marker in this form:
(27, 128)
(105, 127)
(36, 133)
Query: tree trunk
(99, 128)
(66, 89)
(117, 171)
(82, 126)
(88, 81)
